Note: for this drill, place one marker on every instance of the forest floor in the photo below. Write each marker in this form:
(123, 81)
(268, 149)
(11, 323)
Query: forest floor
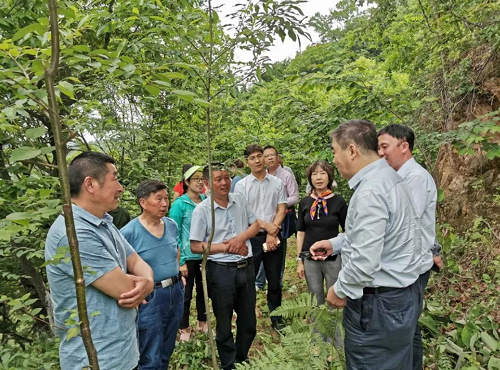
(460, 323)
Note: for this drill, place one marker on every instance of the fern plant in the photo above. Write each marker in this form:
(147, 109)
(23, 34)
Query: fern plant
(302, 341)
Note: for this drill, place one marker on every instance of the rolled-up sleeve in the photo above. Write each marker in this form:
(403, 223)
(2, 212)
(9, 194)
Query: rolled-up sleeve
(366, 244)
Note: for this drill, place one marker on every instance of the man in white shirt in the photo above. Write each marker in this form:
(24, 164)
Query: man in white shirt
(395, 144)
(266, 197)
(288, 227)
(381, 254)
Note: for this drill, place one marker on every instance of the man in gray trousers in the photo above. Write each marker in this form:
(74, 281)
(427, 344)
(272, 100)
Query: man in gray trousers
(381, 253)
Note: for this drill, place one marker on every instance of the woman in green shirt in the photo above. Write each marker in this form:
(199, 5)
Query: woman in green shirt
(190, 263)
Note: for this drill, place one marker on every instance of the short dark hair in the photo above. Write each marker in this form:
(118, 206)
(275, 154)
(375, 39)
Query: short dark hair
(86, 164)
(148, 187)
(252, 148)
(360, 132)
(238, 163)
(324, 165)
(270, 147)
(400, 132)
(216, 166)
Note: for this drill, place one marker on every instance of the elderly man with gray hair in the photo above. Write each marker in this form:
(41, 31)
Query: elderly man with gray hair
(154, 238)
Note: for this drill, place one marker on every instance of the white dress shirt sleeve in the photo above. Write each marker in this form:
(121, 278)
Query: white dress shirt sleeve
(337, 243)
(369, 221)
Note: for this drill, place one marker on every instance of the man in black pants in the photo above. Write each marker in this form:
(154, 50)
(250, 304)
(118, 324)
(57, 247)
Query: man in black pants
(381, 255)
(267, 199)
(230, 271)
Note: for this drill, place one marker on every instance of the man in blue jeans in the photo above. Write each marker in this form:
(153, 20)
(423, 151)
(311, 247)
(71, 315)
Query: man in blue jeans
(154, 237)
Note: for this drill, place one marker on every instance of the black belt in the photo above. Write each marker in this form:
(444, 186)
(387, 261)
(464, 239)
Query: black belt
(239, 265)
(261, 233)
(169, 282)
(378, 290)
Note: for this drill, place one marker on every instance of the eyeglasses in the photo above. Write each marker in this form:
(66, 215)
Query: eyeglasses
(196, 179)
(270, 156)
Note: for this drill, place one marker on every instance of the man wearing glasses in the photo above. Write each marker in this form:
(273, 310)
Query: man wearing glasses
(266, 196)
(288, 227)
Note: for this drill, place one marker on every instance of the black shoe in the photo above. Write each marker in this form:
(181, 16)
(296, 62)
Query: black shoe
(277, 325)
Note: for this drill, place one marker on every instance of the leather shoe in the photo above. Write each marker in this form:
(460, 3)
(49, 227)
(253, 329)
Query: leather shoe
(277, 325)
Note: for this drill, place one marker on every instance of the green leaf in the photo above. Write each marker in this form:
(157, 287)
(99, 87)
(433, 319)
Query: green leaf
(72, 332)
(184, 94)
(489, 341)
(494, 363)
(33, 133)
(135, 11)
(67, 89)
(153, 90)
(203, 103)
(4, 235)
(440, 196)
(35, 27)
(259, 75)
(94, 64)
(35, 311)
(21, 218)
(174, 75)
(47, 149)
(129, 68)
(95, 313)
(81, 48)
(429, 323)
(37, 67)
(23, 153)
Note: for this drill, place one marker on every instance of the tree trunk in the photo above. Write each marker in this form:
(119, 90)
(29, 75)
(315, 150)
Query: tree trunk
(37, 281)
(60, 144)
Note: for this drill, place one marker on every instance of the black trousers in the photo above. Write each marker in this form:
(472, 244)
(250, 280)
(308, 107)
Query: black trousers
(273, 261)
(194, 276)
(379, 330)
(418, 349)
(232, 289)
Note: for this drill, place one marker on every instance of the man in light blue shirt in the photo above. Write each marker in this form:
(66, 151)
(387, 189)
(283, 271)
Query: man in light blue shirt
(116, 279)
(395, 144)
(381, 254)
(230, 271)
(154, 238)
(267, 199)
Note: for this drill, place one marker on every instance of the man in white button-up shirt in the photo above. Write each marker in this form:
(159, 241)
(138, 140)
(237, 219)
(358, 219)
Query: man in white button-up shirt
(381, 253)
(395, 144)
(266, 197)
